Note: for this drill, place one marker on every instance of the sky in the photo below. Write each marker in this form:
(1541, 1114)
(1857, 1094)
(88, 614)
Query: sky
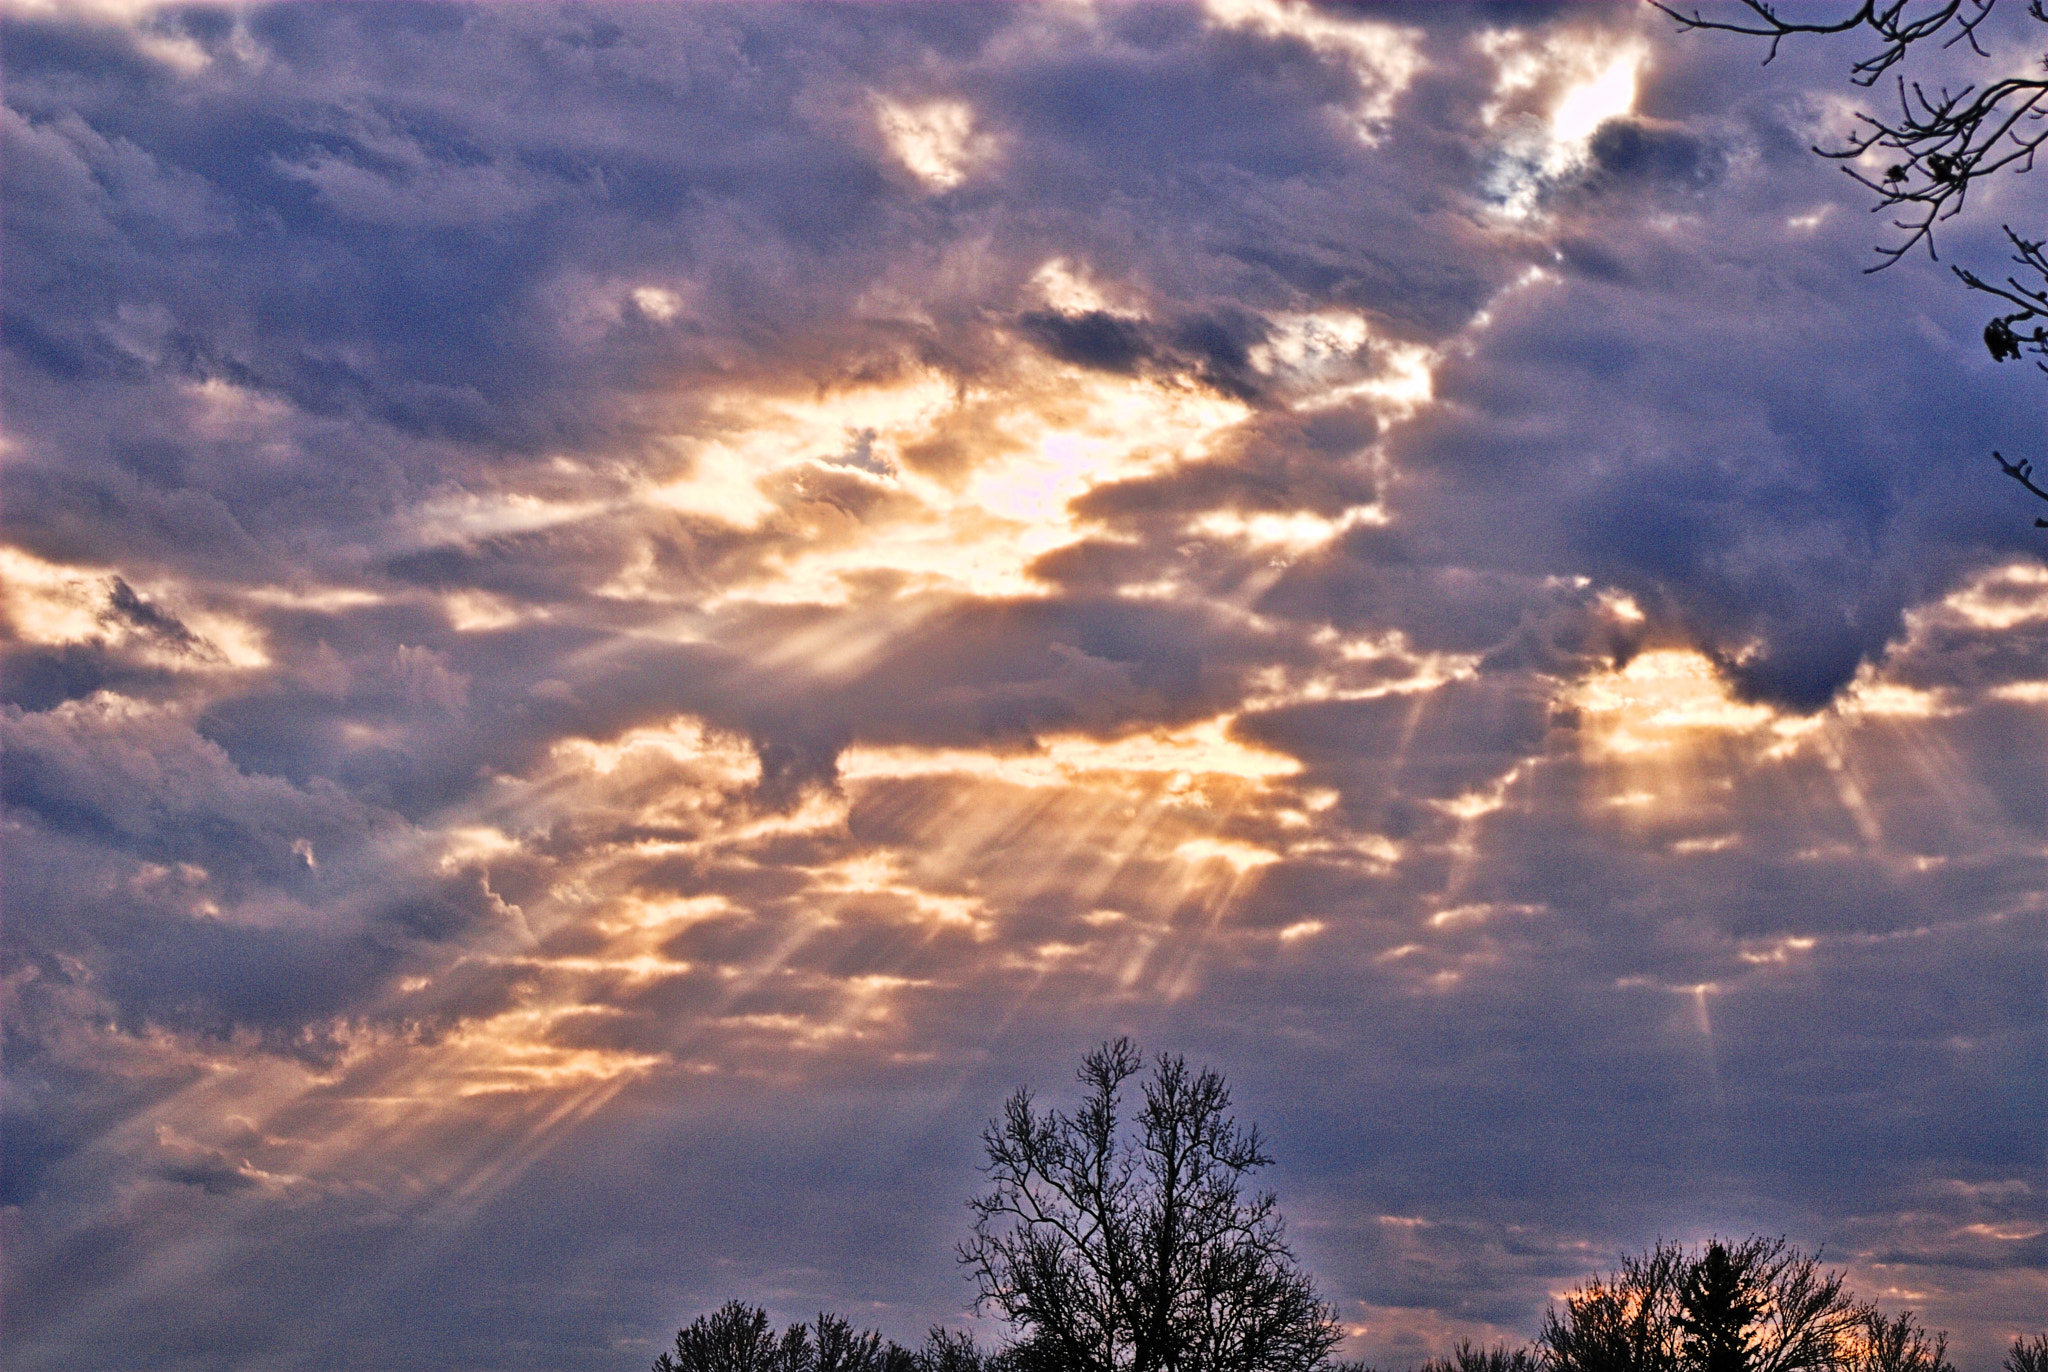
(618, 620)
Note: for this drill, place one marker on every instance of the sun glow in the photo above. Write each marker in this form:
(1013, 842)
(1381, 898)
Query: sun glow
(1608, 95)
(1550, 97)
(1651, 705)
(1180, 756)
(840, 473)
(1661, 737)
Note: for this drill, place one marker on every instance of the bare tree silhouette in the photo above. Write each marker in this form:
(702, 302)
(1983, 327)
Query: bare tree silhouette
(1119, 1245)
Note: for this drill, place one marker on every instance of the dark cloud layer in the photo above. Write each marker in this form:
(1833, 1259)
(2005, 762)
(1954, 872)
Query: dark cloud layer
(617, 619)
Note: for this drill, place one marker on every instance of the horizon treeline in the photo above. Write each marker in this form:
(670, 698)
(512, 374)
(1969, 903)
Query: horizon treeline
(1757, 1305)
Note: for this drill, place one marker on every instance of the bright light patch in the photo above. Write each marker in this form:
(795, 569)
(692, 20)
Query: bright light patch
(480, 611)
(682, 739)
(1331, 357)
(1405, 383)
(760, 438)
(1294, 533)
(1483, 912)
(1359, 667)
(1775, 951)
(1311, 343)
(1199, 750)
(1069, 289)
(49, 603)
(1586, 107)
(1867, 696)
(479, 843)
(1382, 57)
(321, 599)
(722, 484)
(2004, 597)
(104, 11)
(1239, 857)
(463, 515)
(657, 302)
(227, 638)
(1622, 607)
(225, 410)
(1549, 98)
(46, 602)
(1719, 843)
(932, 140)
(1051, 438)
(1034, 488)
(509, 1054)
(1654, 702)
(1472, 804)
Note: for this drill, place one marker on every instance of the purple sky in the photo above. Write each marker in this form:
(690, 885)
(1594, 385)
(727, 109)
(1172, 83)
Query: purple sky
(618, 620)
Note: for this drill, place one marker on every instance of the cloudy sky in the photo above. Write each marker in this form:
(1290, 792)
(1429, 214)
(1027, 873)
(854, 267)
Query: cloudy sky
(620, 619)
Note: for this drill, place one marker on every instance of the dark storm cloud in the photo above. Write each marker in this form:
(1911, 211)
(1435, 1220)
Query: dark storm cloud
(1095, 339)
(1214, 349)
(1645, 151)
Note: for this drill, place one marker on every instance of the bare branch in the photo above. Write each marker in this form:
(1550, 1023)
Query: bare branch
(1943, 142)
(1890, 23)
(2006, 342)
(2023, 473)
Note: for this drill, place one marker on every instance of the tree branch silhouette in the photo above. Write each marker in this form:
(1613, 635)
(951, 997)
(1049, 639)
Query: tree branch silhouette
(1943, 141)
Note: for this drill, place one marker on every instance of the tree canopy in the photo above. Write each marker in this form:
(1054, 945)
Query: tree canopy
(737, 1338)
(1759, 1305)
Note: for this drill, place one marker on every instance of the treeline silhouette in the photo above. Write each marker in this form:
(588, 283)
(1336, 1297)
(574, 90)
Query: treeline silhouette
(1585, 1337)
(1115, 1239)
